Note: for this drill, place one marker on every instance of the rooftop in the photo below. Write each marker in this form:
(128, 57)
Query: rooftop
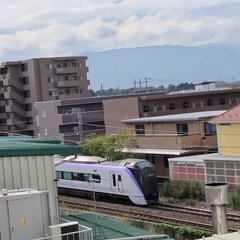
(109, 229)
(194, 116)
(232, 115)
(28, 146)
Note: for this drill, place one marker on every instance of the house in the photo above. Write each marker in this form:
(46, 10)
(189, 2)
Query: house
(223, 166)
(162, 137)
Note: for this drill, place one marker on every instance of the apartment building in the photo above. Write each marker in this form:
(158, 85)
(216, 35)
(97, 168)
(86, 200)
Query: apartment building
(25, 82)
(167, 104)
(73, 119)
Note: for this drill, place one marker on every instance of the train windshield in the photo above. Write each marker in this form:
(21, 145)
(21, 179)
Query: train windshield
(143, 164)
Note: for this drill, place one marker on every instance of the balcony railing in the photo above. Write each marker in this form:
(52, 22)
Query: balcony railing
(173, 141)
(66, 70)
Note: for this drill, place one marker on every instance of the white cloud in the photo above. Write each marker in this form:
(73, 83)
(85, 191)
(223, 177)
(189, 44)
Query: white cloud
(51, 27)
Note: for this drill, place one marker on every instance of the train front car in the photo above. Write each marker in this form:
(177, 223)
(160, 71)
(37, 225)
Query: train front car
(145, 175)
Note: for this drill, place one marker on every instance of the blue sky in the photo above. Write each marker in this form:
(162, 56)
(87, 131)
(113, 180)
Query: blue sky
(34, 28)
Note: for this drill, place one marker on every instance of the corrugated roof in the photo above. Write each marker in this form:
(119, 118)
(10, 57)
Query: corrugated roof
(161, 151)
(110, 229)
(27, 146)
(232, 115)
(194, 116)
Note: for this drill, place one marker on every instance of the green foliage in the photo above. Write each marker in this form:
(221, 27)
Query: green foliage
(181, 232)
(235, 199)
(183, 190)
(109, 146)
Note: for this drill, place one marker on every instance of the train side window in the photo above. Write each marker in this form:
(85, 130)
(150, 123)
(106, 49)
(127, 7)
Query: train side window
(67, 175)
(114, 180)
(86, 177)
(77, 176)
(96, 177)
(119, 178)
(59, 174)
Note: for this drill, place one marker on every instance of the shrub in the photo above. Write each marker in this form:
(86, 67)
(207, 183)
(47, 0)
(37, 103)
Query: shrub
(235, 199)
(183, 190)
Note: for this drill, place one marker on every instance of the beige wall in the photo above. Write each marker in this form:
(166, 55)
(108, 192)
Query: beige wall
(164, 135)
(116, 110)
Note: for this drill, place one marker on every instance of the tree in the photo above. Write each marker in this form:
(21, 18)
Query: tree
(110, 146)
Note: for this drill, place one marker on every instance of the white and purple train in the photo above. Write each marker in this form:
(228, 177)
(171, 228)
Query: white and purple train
(134, 179)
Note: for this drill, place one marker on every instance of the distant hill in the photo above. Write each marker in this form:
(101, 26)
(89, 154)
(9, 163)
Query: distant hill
(164, 65)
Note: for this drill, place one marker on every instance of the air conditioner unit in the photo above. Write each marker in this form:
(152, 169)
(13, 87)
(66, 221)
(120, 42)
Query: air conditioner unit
(64, 231)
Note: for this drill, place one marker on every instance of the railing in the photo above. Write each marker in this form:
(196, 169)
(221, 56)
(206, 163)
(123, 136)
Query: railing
(84, 233)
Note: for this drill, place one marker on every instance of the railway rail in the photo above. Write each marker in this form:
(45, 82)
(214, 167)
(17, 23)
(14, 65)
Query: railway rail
(174, 215)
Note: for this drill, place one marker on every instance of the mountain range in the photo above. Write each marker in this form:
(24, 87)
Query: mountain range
(163, 65)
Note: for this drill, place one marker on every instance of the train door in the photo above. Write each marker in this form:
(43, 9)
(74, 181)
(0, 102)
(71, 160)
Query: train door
(116, 182)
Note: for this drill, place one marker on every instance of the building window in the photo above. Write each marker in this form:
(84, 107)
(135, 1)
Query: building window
(66, 78)
(81, 78)
(50, 93)
(74, 77)
(185, 104)
(75, 91)
(24, 67)
(24, 80)
(209, 102)
(222, 101)
(65, 65)
(26, 94)
(45, 131)
(67, 91)
(209, 128)
(146, 108)
(80, 65)
(49, 66)
(73, 64)
(29, 120)
(28, 107)
(172, 106)
(182, 129)
(50, 79)
(139, 129)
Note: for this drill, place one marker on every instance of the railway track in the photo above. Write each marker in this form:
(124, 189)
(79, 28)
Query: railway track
(196, 211)
(175, 216)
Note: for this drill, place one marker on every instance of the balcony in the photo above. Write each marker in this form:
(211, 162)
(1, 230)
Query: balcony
(67, 70)
(176, 141)
(70, 83)
(13, 95)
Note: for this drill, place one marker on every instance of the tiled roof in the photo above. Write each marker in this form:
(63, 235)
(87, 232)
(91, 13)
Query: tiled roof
(232, 115)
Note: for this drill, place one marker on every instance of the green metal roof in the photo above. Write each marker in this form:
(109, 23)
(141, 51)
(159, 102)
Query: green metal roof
(28, 146)
(109, 228)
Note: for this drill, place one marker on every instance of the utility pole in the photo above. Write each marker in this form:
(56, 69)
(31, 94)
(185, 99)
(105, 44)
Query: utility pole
(80, 127)
(140, 85)
(135, 88)
(146, 82)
